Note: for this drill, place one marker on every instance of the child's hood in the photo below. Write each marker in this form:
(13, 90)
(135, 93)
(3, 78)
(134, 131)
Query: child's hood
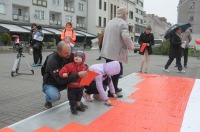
(112, 68)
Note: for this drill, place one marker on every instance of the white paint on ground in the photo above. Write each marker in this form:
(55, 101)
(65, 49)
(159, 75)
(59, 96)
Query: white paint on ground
(191, 120)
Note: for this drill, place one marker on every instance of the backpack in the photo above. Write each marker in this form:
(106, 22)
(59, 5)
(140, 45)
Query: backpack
(43, 68)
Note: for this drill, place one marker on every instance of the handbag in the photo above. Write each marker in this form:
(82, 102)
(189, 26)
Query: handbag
(35, 46)
(144, 45)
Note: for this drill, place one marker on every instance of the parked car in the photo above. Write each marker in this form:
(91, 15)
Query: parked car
(157, 42)
(137, 47)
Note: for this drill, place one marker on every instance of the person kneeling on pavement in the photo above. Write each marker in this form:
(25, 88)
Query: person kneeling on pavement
(75, 90)
(52, 82)
(99, 84)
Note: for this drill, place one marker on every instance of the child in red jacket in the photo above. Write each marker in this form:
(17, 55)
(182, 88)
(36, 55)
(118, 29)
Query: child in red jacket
(75, 90)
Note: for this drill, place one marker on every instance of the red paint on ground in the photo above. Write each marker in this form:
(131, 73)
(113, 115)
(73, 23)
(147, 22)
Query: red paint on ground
(6, 130)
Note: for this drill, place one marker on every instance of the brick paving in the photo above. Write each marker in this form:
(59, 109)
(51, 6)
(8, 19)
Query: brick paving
(21, 96)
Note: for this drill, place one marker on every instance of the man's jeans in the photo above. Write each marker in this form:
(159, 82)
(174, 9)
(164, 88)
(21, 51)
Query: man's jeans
(52, 93)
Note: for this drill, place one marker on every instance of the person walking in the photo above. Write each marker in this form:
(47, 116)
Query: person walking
(175, 50)
(146, 40)
(100, 41)
(37, 46)
(69, 35)
(116, 43)
(186, 38)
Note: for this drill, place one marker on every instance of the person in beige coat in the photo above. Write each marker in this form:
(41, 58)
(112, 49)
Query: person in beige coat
(116, 43)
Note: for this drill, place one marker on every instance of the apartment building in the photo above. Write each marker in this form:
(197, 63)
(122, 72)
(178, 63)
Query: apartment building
(45, 12)
(139, 27)
(158, 24)
(102, 11)
(188, 11)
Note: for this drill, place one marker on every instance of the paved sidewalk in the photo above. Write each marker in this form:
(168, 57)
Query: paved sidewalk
(21, 96)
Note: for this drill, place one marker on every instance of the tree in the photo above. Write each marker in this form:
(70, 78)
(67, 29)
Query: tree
(5, 38)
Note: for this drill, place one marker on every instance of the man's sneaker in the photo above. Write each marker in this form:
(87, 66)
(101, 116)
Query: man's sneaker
(39, 64)
(48, 105)
(185, 66)
(34, 65)
(182, 71)
(165, 70)
(80, 108)
(74, 110)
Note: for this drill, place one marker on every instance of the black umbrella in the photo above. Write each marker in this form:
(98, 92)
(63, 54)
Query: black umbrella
(183, 26)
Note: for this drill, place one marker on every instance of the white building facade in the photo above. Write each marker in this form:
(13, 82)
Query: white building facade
(45, 12)
(102, 11)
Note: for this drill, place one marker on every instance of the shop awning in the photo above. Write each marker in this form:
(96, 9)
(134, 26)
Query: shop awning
(44, 31)
(88, 35)
(53, 30)
(14, 28)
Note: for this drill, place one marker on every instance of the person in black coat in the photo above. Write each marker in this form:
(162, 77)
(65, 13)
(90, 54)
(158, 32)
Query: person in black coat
(148, 38)
(175, 50)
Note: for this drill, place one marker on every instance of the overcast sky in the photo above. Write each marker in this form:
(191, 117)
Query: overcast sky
(162, 8)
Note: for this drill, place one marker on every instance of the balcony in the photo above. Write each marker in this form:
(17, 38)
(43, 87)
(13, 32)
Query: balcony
(55, 22)
(20, 18)
(40, 3)
(80, 25)
(70, 9)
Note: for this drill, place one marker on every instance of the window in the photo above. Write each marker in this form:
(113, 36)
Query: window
(104, 22)
(115, 11)
(130, 14)
(104, 6)
(80, 6)
(100, 3)
(52, 17)
(2, 8)
(111, 11)
(68, 18)
(136, 19)
(140, 3)
(19, 12)
(191, 18)
(66, 4)
(99, 21)
(192, 5)
(55, 2)
(39, 14)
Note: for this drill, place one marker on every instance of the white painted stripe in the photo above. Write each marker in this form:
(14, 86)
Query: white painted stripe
(38, 114)
(191, 120)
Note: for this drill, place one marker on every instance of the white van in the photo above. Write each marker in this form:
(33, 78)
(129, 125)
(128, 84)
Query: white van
(157, 42)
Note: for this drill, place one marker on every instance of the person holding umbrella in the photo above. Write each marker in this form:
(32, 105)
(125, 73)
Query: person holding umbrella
(175, 50)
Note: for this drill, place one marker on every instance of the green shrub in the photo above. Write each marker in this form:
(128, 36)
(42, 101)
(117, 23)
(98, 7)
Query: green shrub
(5, 38)
(163, 49)
(51, 44)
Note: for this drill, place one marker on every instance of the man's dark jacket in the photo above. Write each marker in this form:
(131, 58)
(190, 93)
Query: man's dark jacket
(53, 66)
